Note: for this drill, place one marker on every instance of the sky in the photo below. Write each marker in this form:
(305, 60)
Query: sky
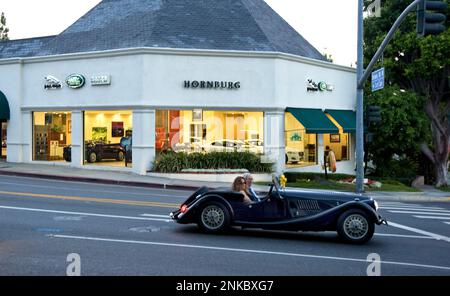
(329, 25)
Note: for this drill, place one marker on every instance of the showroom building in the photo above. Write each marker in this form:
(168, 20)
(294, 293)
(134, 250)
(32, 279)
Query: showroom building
(191, 75)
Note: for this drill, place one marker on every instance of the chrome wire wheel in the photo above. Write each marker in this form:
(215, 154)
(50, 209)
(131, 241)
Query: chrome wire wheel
(213, 217)
(92, 157)
(356, 226)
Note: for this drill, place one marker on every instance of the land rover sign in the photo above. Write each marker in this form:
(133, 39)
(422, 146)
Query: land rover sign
(75, 81)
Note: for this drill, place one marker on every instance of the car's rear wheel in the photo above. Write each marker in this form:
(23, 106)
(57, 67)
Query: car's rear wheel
(355, 226)
(92, 157)
(214, 217)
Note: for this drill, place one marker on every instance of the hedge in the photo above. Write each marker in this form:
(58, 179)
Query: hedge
(176, 162)
(293, 177)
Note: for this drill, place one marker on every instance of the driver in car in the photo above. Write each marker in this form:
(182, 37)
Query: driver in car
(249, 182)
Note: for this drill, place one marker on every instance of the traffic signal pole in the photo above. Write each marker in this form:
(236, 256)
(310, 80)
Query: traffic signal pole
(362, 77)
(360, 103)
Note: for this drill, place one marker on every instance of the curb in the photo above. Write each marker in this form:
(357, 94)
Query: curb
(97, 180)
(414, 197)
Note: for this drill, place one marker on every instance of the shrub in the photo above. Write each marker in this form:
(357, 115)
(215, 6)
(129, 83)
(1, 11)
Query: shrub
(176, 162)
(401, 169)
(293, 177)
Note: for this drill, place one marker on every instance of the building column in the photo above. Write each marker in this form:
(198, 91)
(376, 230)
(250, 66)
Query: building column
(320, 150)
(27, 136)
(77, 139)
(143, 140)
(274, 142)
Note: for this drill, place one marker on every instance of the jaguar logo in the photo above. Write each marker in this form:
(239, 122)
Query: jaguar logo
(312, 86)
(51, 82)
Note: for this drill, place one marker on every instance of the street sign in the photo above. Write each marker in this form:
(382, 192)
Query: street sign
(378, 79)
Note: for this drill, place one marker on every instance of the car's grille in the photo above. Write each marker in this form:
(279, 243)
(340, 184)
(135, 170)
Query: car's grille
(302, 208)
(311, 205)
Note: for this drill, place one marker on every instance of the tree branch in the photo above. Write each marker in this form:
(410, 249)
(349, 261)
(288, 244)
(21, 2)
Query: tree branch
(428, 153)
(430, 111)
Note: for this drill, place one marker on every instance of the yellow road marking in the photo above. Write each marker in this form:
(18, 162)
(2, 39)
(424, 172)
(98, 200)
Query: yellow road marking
(94, 199)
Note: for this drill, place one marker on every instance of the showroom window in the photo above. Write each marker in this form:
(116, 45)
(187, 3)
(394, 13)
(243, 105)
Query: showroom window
(339, 143)
(3, 137)
(301, 148)
(207, 131)
(51, 135)
(108, 138)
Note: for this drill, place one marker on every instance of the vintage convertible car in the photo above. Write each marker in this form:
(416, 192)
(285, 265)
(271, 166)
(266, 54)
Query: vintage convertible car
(97, 151)
(353, 216)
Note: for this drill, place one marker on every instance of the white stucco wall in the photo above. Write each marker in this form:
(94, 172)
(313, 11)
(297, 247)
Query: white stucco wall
(149, 79)
(10, 84)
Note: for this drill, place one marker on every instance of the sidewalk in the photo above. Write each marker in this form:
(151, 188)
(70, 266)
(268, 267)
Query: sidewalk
(65, 173)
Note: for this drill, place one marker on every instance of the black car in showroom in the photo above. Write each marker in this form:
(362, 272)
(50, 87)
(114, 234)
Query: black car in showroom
(98, 151)
(352, 215)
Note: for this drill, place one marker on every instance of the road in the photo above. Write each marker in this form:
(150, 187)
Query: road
(119, 230)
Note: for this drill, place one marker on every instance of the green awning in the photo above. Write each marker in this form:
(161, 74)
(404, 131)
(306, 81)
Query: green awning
(345, 118)
(314, 121)
(4, 107)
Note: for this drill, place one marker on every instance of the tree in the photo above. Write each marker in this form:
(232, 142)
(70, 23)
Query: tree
(329, 57)
(421, 65)
(396, 146)
(3, 29)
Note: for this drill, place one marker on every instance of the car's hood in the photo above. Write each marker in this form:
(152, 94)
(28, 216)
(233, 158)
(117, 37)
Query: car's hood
(324, 194)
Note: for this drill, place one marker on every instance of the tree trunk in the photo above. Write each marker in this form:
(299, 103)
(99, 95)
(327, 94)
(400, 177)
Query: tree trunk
(441, 135)
(441, 174)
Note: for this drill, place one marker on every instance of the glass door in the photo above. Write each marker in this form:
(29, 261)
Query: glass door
(3, 134)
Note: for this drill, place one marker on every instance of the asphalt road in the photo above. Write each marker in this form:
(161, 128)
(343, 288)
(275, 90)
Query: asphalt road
(119, 230)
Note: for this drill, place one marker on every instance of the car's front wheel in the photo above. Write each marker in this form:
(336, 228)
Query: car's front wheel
(355, 226)
(214, 217)
(92, 157)
(120, 156)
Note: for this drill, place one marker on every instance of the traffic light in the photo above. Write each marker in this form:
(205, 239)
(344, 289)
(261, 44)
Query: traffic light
(431, 17)
(369, 137)
(373, 114)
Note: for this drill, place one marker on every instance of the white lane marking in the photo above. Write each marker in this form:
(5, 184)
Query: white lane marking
(403, 236)
(420, 213)
(245, 251)
(432, 217)
(92, 184)
(157, 216)
(415, 209)
(149, 195)
(419, 231)
(412, 206)
(84, 214)
(396, 204)
(447, 223)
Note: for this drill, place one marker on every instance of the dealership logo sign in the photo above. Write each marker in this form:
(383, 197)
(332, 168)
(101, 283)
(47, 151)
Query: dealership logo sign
(212, 84)
(101, 80)
(51, 82)
(75, 81)
(319, 86)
